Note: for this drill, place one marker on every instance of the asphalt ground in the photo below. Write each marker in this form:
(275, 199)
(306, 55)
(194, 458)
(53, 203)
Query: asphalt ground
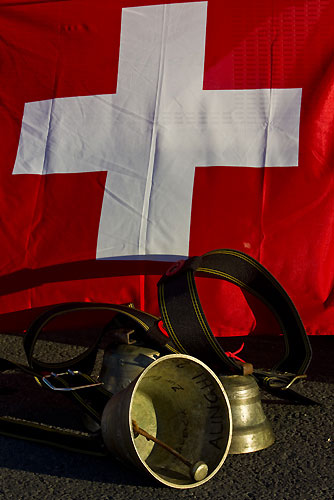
(298, 466)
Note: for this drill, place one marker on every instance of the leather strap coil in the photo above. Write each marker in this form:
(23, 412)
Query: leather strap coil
(91, 400)
(185, 321)
(147, 324)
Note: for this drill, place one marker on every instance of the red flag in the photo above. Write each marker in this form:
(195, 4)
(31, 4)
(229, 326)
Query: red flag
(138, 133)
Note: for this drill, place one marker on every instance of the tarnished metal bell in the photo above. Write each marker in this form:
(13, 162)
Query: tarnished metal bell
(252, 430)
(123, 363)
(173, 421)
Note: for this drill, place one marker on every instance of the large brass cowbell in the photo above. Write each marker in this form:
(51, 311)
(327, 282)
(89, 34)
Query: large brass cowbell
(182, 405)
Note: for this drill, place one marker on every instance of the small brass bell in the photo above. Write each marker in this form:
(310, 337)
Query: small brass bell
(252, 430)
(173, 421)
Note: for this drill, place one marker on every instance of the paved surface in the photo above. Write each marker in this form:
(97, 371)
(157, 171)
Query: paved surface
(298, 466)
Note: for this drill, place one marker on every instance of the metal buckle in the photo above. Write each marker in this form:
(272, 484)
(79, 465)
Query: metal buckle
(67, 389)
(275, 380)
(293, 380)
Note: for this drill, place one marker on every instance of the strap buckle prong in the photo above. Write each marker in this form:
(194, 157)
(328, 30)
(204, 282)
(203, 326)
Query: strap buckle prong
(293, 380)
(276, 380)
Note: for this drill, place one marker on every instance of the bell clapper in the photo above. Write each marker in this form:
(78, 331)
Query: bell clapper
(198, 470)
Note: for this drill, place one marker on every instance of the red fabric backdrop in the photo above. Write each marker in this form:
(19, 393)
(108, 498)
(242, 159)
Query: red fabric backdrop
(281, 216)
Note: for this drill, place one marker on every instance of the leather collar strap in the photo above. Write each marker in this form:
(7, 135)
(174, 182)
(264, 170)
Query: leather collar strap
(91, 403)
(44, 434)
(85, 361)
(185, 321)
(92, 400)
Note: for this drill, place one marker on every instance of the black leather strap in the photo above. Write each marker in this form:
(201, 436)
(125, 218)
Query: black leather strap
(189, 333)
(147, 324)
(91, 400)
(185, 321)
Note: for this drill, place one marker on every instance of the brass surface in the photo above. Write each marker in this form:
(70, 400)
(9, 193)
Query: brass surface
(123, 363)
(181, 402)
(252, 430)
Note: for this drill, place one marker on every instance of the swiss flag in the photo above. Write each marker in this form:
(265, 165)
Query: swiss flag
(136, 133)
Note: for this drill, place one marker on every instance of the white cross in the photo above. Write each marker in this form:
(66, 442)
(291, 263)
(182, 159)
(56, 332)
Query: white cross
(155, 130)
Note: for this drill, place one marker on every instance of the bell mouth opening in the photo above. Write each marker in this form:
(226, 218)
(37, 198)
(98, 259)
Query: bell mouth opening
(179, 401)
